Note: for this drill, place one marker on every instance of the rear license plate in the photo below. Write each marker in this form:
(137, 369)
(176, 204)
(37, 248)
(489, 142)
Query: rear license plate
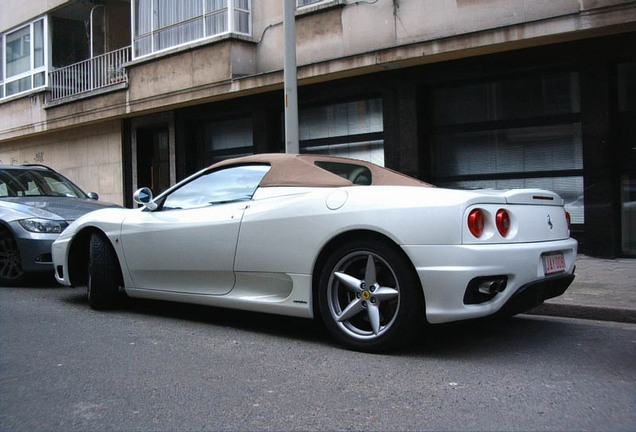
(553, 263)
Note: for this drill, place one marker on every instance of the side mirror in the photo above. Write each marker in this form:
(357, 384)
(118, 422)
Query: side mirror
(143, 197)
(93, 195)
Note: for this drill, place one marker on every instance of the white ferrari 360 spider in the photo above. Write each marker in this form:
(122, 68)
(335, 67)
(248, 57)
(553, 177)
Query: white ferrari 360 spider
(373, 253)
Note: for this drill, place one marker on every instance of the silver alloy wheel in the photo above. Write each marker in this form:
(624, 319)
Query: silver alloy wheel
(363, 295)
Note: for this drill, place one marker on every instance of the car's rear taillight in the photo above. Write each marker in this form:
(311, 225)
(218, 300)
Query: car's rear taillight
(568, 218)
(476, 222)
(502, 220)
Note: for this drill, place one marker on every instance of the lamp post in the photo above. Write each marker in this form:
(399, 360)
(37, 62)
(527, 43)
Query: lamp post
(290, 77)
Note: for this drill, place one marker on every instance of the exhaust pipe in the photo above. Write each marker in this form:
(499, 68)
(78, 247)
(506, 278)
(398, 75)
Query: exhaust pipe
(484, 288)
(490, 287)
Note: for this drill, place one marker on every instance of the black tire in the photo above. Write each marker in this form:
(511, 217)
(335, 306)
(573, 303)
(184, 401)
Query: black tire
(369, 297)
(11, 272)
(104, 274)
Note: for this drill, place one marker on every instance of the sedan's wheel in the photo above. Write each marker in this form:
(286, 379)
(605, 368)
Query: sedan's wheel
(11, 273)
(104, 274)
(369, 297)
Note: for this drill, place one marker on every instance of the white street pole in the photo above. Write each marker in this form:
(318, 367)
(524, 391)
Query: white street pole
(290, 77)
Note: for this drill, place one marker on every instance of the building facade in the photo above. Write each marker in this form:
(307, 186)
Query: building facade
(119, 94)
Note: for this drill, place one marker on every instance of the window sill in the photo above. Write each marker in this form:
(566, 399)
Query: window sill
(187, 47)
(319, 7)
(23, 94)
(86, 95)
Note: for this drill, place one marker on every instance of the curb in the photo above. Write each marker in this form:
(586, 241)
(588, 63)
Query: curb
(600, 313)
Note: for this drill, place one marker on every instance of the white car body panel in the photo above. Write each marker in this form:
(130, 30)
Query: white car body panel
(406, 215)
(207, 269)
(248, 295)
(265, 250)
(446, 270)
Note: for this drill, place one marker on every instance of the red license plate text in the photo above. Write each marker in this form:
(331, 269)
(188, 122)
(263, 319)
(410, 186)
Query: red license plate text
(553, 263)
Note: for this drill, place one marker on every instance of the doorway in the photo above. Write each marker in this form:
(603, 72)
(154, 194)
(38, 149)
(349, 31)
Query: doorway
(153, 158)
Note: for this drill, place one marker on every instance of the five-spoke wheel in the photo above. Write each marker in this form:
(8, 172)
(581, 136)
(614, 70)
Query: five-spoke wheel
(368, 296)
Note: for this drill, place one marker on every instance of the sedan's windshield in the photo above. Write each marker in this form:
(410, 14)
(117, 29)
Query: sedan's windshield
(24, 183)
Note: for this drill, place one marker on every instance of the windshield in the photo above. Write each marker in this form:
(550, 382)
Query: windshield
(217, 187)
(25, 183)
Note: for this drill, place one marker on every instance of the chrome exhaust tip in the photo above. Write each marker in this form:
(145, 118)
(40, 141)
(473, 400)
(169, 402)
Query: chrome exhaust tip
(485, 288)
(490, 287)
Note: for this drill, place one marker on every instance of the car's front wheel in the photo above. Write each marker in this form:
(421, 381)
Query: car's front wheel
(369, 296)
(104, 274)
(11, 272)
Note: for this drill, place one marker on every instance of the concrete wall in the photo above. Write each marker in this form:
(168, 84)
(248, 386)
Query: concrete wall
(29, 115)
(90, 156)
(353, 28)
(347, 38)
(14, 12)
(342, 38)
(190, 69)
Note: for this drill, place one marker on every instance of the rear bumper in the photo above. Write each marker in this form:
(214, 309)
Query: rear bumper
(445, 272)
(535, 293)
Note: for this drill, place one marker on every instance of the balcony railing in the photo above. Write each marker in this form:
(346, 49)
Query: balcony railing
(89, 75)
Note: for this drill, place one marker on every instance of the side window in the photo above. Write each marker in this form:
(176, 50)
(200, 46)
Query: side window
(217, 187)
(356, 174)
(33, 189)
(58, 187)
(5, 188)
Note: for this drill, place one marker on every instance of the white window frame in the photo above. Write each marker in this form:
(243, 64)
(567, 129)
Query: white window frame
(33, 71)
(317, 5)
(232, 7)
(299, 3)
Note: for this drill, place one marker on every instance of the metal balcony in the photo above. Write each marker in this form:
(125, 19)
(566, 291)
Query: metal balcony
(89, 75)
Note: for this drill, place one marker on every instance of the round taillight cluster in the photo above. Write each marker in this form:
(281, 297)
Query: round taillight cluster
(476, 222)
(502, 220)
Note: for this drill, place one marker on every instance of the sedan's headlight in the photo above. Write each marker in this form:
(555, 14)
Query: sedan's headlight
(44, 226)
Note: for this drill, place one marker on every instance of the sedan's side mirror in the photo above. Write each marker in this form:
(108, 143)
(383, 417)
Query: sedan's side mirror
(143, 197)
(93, 195)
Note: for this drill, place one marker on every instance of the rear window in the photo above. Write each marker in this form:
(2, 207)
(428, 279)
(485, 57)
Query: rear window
(356, 174)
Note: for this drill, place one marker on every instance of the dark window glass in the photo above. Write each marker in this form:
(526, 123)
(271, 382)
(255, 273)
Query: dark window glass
(627, 87)
(512, 133)
(627, 138)
(222, 139)
(507, 99)
(356, 174)
(351, 129)
(515, 150)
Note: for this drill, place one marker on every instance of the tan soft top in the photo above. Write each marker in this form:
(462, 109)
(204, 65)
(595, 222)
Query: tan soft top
(301, 170)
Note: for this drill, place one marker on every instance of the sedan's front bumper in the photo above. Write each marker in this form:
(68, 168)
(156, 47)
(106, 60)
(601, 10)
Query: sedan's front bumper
(35, 249)
(446, 272)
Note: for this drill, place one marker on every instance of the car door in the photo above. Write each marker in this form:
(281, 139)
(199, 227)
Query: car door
(188, 244)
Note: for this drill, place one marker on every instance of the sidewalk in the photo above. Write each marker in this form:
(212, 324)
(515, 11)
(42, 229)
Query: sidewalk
(602, 290)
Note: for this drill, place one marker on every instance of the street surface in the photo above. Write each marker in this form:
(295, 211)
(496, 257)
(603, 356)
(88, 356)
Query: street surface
(162, 366)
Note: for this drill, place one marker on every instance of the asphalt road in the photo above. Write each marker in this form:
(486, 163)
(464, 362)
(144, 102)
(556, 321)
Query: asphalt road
(160, 366)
